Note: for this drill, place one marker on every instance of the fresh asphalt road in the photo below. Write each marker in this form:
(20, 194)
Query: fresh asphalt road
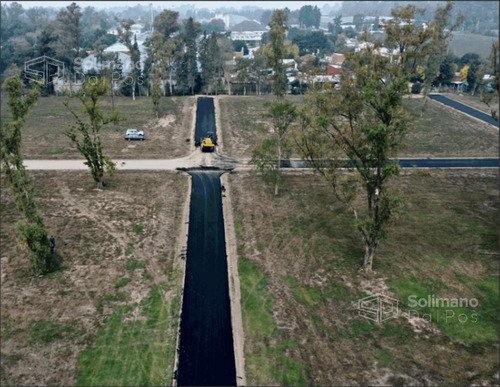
(205, 118)
(464, 108)
(417, 163)
(206, 353)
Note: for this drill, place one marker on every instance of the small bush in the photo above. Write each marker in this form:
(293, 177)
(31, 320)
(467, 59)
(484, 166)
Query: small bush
(132, 265)
(138, 228)
(416, 88)
(47, 331)
(122, 282)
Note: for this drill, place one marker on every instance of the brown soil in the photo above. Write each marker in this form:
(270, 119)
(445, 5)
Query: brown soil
(99, 228)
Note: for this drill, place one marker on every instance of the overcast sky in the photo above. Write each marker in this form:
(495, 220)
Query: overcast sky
(168, 4)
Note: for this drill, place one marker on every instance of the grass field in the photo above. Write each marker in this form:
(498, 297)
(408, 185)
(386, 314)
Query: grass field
(244, 124)
(109, 315)
(438, 132)
(165, 137)
(478, 44)
(299, 256)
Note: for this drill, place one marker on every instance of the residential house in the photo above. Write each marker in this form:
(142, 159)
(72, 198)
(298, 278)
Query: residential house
(337, 59)
(248, 31)
(333, 69)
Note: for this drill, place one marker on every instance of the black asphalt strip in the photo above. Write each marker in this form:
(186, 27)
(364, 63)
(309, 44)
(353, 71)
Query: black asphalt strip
(206, 352)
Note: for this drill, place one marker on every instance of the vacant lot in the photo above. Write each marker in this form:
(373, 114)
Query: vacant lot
(439, 131)
(479, 44)
(109, 315)
(166, 137)
(243, 123)
(299, 256)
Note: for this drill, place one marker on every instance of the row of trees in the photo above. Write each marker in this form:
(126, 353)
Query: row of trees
(37, 31)
(351, 134)
(85, 134)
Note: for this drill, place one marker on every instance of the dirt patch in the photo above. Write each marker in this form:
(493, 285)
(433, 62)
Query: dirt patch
(115, 245)
(166, 121)
(234, 282)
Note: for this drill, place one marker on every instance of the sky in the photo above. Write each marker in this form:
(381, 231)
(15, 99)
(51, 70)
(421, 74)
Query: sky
(292, 5)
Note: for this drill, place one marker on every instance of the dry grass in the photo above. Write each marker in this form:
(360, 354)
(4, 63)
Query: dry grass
(438, 132)
(441, 131)
(299, 258)
(243, 123)
(121, 247)
(43, 136)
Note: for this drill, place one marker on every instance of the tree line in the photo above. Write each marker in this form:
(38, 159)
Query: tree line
(351, 133)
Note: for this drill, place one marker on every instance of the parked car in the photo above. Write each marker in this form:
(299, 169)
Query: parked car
(134, 135)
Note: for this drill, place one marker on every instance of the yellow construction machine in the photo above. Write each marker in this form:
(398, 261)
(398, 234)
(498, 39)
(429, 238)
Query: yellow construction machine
(207, 143)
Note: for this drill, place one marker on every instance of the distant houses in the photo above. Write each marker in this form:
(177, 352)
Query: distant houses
(249, 31)
(93, 62)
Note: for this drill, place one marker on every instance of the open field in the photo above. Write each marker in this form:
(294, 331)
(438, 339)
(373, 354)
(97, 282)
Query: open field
(109, 315)
(439, 131)
(166, 137)
(243, 122)
(463, 43)
(299, 256)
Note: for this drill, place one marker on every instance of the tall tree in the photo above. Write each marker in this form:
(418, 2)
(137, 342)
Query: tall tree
(410, 41)
(166, 24)
(441, 28)
(446, 69)
(486, 97)
(211, 62)
(364, 121)
(85, 133)
(161, 48)
(268, 155)
(257, 67)
(243, 69)
(472, 76)
(335, 28)
(309, 16)
(276, 53)
(69, 34)
(46, 41)
(187, 68)
(358, 21)
(156, 95)
(32, 230)
(127, 37)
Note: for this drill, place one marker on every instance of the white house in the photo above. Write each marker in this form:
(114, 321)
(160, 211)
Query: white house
(248, 31)
(91, 62)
